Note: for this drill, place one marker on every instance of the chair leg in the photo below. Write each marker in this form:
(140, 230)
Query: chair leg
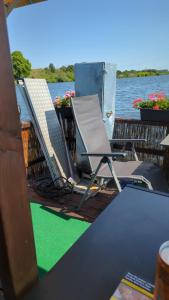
(114, 175)
(85, 196)
(134, 152)
(148, 183)
(103, 160)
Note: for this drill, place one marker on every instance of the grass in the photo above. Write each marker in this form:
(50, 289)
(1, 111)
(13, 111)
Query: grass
(54, 234)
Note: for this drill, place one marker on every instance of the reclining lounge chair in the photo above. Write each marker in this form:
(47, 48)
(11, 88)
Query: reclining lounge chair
(94, 155)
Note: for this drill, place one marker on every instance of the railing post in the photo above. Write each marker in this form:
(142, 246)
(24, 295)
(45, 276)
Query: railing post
(18, 270)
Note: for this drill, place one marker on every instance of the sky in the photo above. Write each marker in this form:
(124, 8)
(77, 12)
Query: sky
(133, 34)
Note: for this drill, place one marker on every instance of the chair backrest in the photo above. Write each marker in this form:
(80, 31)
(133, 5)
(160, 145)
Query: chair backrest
(91, 133)
(47, 127)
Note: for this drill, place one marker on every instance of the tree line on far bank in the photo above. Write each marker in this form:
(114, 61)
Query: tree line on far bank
(53, 74)
(141, 73)
(22, 68)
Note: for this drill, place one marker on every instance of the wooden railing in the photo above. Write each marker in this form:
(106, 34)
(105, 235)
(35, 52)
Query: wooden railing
(34, 159)
(154, 132)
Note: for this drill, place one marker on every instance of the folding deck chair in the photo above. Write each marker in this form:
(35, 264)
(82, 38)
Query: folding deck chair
(35, 101)
(94, 155)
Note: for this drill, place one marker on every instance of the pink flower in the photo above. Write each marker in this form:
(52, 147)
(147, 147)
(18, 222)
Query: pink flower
(157, 96)
(156, 101)
(161, 96)
(152, 97)
(136, 102)
(72, 93)
(69, 94)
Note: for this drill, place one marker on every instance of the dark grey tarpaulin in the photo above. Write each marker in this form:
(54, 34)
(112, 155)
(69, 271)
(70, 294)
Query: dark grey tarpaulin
(92, 140)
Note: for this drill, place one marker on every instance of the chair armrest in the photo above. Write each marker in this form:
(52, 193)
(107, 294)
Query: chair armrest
(112, 154)
(128, 140)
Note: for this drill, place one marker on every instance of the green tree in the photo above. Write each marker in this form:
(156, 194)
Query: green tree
(21, 65)
(70, 68)
(52, 68)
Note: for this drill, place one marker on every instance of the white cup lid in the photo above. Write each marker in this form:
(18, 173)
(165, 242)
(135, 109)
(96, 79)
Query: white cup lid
(164, 252)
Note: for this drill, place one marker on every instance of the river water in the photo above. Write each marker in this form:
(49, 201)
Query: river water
(127, 89)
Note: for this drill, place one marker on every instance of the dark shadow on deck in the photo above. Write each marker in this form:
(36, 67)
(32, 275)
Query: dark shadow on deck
(64, 205)
(61, 214)
(41, 272)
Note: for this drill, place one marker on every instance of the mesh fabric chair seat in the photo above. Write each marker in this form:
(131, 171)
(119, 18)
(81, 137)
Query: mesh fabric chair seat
(92, 141)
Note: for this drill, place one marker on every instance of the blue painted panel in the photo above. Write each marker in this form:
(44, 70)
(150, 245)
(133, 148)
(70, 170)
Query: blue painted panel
(89, 79)
(98, 78)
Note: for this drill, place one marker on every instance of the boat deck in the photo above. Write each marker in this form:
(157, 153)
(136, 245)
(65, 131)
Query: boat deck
(67, 203)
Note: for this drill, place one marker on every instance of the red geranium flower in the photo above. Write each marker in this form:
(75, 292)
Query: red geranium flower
(156, 107)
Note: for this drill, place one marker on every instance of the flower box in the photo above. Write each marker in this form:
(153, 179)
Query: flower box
(66, 112)
(155, 108)
(147, 114)
(63, 105)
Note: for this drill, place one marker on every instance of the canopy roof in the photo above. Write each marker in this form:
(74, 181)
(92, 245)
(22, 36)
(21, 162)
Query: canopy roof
(10, 4)
(21, 2)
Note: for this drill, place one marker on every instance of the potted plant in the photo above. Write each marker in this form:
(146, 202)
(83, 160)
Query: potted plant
(63, 104)
(154, 108)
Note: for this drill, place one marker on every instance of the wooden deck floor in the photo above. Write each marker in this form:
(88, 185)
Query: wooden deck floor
(66, 203)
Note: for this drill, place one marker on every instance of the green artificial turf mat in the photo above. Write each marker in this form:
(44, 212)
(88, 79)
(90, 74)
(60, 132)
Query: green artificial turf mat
(54, 234)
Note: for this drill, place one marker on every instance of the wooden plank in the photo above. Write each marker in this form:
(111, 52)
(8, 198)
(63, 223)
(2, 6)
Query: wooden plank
(20, 3)
(25, 142)
(11, 4)
(10, 7)
(136, 121)
(17, 252)
(141, 150)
